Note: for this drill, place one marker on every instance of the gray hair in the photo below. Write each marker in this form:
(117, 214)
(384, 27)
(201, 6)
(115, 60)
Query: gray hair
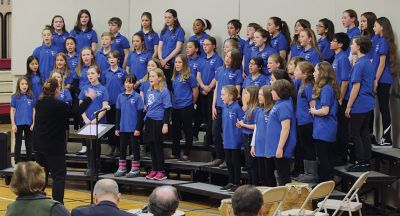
(106, 186)
(163, 200)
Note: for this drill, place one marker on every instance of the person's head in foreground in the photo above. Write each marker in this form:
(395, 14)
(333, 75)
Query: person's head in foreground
(247, 201)
(28, 178)
(106, 190)
(163, 201)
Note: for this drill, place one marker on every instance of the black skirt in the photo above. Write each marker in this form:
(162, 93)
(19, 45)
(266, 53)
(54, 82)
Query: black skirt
(152, 130)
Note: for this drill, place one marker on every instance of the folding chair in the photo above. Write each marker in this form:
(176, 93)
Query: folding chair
(350, 202)
(322, 190)
(275, 195)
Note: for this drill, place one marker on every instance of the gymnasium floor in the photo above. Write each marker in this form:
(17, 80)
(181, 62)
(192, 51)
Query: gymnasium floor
(77, 195)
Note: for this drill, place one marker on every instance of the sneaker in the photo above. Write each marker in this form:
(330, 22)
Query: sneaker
(151, 174)
(223, 165)
(227, 187)
(133, 173)
(160, 176)
(383, 143)
(119, 173)
(215, 163)
(183, 159)
(82, 151)
(359, 167)
(195, 138)
(233, 188)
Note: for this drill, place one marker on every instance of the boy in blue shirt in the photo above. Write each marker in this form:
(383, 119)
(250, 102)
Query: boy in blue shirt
(120, 42)
(46, 53)
(101, 56)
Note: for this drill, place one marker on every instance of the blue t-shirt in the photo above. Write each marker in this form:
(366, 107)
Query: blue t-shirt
(194, 64)
(208, 68)
(226, 76)
(84, 39)
(144, 87)
(252, 120)
(170, 38)
(36, 85)
(382, 49)
(65, 96)
(46, 56)
(279, 42)
(242, 44)
(150, 39)
(311, 55)
(282, 110)
(261, 139)
(374, 40)
(59, 40)
(157, 102)
(303, 105)
(83, 78)
(295, 50)
(137, 63)
(97, 103)
(183, 91)
(264, 54)
(353, 32)
(249, 48)
(23, 109)
(231, 135)
(102, 62)
(342, 67)
(324, 46)
(129, 104)
(363, 73)
(200, 39)
(71, 75)
(260, 81)
(325, 127)
(120, 43)
(114, 82)
(73, 61)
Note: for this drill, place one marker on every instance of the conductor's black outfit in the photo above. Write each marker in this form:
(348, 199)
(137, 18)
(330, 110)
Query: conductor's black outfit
(48, 139)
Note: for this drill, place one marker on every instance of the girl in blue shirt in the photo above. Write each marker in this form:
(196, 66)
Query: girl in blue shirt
(295, 47)
(205, 78)
(304, 73)
(291, 67)
(367, 21)
(128, 125)
(172, 38)
(151, 37)
(250, 99)
(185, 93)
(72, 55)
(62, 66)
(385, 62)
(262, 42)
(231, 113)
(33, 75)
(279, 31)
(274, 63)
(325, 93)
(350, 21)
(139, 57)
(158, 105)
(46, 53)
(22, 115)
(101, 56)
(249, 46)
(83, 31)
(266, 167)
(326, 30)
(200, 25)
(229, 74)
(59, 32)
(255, 77)
(144, 82)
(281, 130)
(310, 50)
(85, 61)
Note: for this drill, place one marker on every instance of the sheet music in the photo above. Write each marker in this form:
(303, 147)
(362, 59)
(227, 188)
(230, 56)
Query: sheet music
(91, 130)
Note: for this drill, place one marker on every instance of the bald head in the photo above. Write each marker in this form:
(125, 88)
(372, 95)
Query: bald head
(163, 200)
(106, 189)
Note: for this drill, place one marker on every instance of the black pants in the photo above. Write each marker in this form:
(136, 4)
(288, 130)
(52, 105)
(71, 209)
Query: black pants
(206, 112)
(342, 135)
(359, 132)
(306, 141)
(282, 166)
(111, 115)
(168, 75)
(197, 119)
(127, 139)
(233, 165)
(383, 93)
(217, 135)
(325, 161)
(22, 129)
(250, 162)
(266, 171)
(157, 155)
(56, 166)
(182, 120)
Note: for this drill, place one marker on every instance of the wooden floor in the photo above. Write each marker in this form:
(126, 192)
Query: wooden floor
(77, 195)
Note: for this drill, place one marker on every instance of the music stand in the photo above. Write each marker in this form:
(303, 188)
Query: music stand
(93, 132)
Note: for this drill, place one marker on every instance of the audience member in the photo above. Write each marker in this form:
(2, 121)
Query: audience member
(247, 201)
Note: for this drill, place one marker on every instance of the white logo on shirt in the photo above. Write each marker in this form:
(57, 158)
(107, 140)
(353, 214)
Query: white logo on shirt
(150, 99)
(133, 101)
(89, 36)
(232, 115)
